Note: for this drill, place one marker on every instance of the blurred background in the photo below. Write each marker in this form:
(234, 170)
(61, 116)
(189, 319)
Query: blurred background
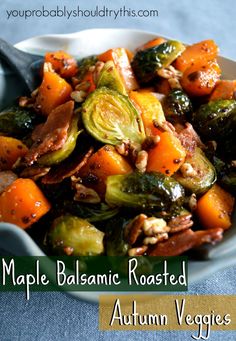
(189, 21)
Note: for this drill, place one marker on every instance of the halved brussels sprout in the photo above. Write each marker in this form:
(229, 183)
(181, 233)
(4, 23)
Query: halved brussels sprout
(144, 190)
(16, 121)
(73, 236)
(110, 77)
(58, 156)
(216, 119)
(204, 175)
(111, 118)
(147, 62)
(177, 105)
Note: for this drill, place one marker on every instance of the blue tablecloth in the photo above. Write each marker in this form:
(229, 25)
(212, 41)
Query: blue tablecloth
(56, 316)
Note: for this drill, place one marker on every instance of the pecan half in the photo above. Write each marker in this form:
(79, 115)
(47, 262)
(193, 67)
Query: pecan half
(180, 223)
(134, 229)
(141, 161)
(184, 241)
(85, 194)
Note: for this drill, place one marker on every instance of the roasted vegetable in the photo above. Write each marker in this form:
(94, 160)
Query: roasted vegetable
(142, 145)
(121, 60)
(110, 77)
(177, 105)
(200, 79)
(10, 151)
(58, 156)
(167, 156)
(224, 90)
(151, 43)
(52, 134)
(151, 110)
(147, 62)
(216, 119)
(111, 118)
(106, 161)
(17, 122)
(52, 92)
(23, 203)
(115, 241)
(73, 236)
(203, 51)
(203, 176)
(144, 190)
(92, 213)
(63, 63)
(215, 207)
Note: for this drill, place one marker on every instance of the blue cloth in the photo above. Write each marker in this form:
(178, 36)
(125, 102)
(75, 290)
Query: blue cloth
(56, 316)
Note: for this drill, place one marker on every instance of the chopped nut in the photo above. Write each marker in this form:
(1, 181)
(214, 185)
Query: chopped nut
(153, 240)
(156, 139)
(47, 67)
(134, 148)
(172, 75)
(75, 179)
(152, 230)
(26, 102)
(192, 202)
(18, 163)
(84, 194)
(68, 250)
(152, 226)
(166, 126)
(78, 96)
(150, 240)
(189, 138)
(141, 161)
(137, 251)
(97, 70)
(233, 163)
(83, 86)
(169, 72)
(35, 92)
(174, 83)
(187, 170)
(122, 149)
(91, 68)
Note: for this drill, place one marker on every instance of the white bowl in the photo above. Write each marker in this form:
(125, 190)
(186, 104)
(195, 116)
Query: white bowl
(82, 44)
